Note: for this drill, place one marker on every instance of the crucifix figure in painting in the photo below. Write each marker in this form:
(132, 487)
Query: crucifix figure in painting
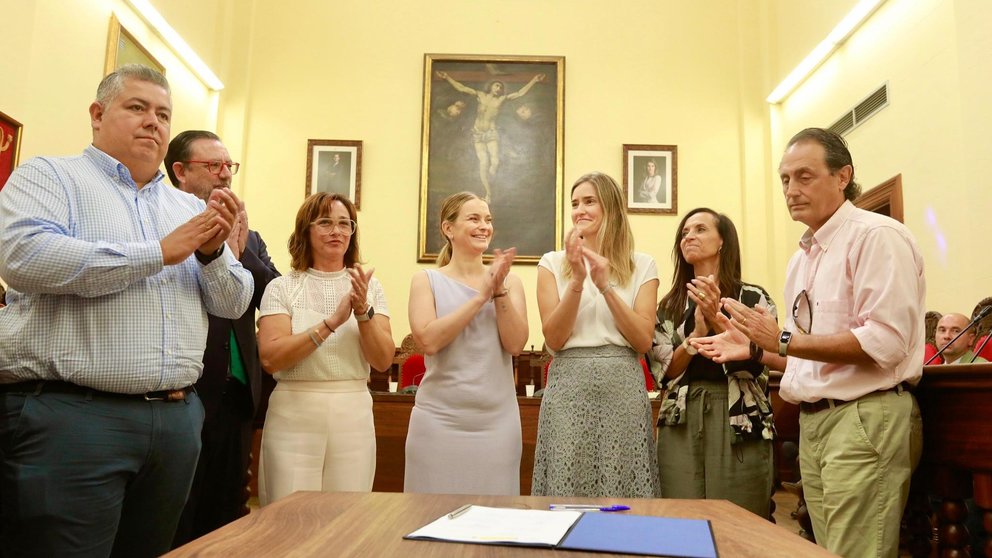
(485, 136)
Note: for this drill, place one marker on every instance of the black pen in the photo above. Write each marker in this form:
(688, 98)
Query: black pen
(459, 511)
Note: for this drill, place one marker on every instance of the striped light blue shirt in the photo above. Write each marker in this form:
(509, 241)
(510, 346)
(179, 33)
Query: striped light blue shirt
(90, 301)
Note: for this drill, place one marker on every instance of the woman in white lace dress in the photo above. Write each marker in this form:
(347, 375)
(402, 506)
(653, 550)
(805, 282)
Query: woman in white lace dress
(321, 326)
(597, 300)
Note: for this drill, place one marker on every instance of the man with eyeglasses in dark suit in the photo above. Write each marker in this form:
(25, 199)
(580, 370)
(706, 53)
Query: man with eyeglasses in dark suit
(850, 348)
(230, 387)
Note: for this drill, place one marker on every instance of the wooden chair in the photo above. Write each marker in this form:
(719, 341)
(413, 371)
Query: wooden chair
(407, 347)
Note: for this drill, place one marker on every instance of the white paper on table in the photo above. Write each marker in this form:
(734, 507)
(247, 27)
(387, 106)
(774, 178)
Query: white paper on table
(480, 524)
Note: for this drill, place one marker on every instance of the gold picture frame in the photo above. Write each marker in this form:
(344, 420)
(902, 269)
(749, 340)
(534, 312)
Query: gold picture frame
(123, 48)
(494, 125)
(651, 178)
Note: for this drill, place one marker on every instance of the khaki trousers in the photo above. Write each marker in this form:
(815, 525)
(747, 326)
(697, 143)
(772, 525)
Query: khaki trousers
(856, 461)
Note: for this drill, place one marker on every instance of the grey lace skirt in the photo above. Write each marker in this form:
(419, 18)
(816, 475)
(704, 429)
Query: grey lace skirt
(594, 435)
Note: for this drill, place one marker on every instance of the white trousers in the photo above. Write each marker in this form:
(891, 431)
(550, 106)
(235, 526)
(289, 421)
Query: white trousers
(318, 436)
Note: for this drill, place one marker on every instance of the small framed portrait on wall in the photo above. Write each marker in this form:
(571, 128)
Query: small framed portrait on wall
(650, 178)
(335, 166)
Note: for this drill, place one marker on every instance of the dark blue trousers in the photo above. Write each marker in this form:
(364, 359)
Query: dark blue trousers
(91, 474)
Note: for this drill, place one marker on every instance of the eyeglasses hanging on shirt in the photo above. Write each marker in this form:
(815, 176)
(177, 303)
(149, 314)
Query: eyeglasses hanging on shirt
(802, 313)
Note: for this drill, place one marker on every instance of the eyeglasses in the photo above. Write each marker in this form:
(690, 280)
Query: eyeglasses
(327, 225)
(802, 313)
(216, 166)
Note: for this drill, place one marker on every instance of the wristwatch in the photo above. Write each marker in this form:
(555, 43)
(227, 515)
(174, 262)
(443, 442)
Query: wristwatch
(783, 342)
(366, 316)
(689, 349)
(207, 258)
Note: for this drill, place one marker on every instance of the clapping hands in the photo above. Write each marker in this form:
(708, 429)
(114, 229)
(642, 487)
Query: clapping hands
(238, 238)
(574, 256)
(360, 288)
(498, 270)
(705, 292)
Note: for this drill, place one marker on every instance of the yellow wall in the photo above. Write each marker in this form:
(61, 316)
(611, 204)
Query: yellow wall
(935, 55)
(798, 26)
(644, 72)
(54, 53)
(693, 74)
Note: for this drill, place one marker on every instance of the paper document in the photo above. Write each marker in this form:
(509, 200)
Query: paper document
(500, 526)
(574, 530)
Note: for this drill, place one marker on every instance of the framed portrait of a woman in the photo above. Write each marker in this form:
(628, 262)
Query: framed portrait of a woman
(650, 178)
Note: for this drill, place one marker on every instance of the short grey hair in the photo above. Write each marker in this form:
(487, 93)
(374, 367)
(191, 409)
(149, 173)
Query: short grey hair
(112, 85)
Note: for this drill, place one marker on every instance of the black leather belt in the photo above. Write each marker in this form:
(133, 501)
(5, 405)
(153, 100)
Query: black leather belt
(825, 404)
(53, 386)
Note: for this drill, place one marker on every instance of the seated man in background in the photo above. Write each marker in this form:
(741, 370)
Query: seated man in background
(958, 352)
(114, 272)
(231, 384)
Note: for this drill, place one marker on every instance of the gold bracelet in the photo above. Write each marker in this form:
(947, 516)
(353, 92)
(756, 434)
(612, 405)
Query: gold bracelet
(328, 325)
(579, 290)
(605, 289)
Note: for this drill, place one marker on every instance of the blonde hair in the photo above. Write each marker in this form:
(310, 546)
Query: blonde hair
(616, 241)
(450, 207)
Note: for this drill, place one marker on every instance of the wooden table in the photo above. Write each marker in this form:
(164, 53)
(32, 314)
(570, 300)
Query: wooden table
(956, 404)
(362, 524)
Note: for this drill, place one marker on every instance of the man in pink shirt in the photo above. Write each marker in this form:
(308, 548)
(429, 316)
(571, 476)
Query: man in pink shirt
(851, 347)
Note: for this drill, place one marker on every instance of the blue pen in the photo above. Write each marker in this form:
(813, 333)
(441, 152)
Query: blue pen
(588, 507)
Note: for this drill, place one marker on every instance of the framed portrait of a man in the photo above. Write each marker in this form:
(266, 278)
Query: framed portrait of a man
(335, 166)
(493, 126)
(650, 178)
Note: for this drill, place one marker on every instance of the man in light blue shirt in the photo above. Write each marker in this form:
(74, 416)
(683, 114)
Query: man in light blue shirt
(111, 274)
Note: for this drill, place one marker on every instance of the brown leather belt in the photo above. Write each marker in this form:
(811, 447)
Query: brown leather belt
(824, 404)
(52, 386)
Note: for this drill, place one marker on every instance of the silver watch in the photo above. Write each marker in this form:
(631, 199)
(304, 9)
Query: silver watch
(366, 316)
(783, 342)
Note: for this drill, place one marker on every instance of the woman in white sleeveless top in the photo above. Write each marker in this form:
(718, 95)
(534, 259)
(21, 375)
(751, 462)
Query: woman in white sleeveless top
(597, 299)
(320, 328)
(464, 435)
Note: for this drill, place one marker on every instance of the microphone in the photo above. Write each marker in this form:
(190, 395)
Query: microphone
(981, 313)
(978, 317)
